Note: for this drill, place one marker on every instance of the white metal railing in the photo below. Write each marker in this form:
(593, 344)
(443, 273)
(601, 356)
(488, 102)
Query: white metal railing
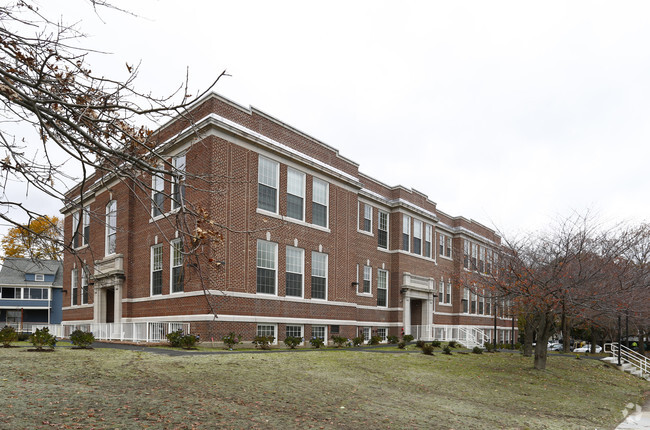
(468, 336)
(20, 327)
(630, 356)
(132, 331)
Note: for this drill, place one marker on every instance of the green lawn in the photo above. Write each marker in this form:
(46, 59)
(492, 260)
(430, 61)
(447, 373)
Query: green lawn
(106, 388)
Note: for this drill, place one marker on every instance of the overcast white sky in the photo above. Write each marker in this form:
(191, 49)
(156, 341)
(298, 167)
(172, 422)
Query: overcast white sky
(510, 113)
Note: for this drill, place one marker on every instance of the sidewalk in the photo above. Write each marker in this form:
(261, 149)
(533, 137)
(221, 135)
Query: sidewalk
(638, 418)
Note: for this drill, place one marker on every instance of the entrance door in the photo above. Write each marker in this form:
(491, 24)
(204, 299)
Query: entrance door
(110, 305)
(416, 312)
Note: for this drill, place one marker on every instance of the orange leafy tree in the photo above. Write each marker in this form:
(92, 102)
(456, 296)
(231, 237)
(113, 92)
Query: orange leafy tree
(38, 239)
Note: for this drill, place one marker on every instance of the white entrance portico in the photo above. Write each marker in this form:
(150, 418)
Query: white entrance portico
(108, 277)
(418, 293)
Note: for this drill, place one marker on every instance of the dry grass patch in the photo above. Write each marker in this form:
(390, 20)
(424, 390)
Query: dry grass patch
(108, 388)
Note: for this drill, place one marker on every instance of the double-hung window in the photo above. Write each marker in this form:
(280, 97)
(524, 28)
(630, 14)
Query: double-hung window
(367, 218)
(178, 184)
(158, 195)
(474, 256)
(481, 259)
(111, 227)
(481, 303)
(417, 237)
(465, 300)
(74, 287)
(367, 279)
(156, 269)
(267, 190)
(293, 331)
(177, 265)
(428, 233)
(406, 233)
(295, 194)
(267, 266)
(473, 308)
(294, 276)
(441, 290)
(318, 275)
(448, 296)
(382, 230)
(382, 288)
(448, 250)
(267, 330)
(488, 304)
(76, 234)
(465, 254)
(320, 199)
(319, 332)
(85, 275)
(86, 225)
(441, 243)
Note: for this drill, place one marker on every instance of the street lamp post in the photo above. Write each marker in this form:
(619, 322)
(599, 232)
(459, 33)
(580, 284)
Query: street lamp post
(496, 307)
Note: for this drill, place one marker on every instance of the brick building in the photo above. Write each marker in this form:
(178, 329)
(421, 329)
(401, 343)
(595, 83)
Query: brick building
(310, 246)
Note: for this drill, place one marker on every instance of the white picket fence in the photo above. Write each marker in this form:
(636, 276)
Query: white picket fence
(132, 331)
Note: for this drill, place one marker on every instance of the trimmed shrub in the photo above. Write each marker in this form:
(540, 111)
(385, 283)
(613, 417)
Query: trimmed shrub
(22, 337)
(427, 349)
(436, 344)
(453, 344)
(419, 343)
(174, 338)
(230, 340)
(8, 335)
(446, 350)
(374, 340)
(292, 341)
(401, 345)
(42, 338)
(477, 350)
(82, 339)
(263, 342)
(339, 341)
(189, 341)
(392, 339)
(316, 342)
(489, 346)
(358, 341)
(408, 338)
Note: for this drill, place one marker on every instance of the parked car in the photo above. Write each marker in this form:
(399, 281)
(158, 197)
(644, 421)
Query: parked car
(555, 346)
(587, 348)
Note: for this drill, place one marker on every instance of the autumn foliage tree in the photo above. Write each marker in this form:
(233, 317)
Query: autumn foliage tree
(38, 239)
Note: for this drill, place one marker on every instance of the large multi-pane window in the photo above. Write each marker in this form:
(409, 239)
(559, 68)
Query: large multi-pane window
(428, 233)
(295, 194)
(367, 279)
(319, 332)
(481, 259)
(320, 199)
(382, 230)
(488, 304)
(86, 225)
(111, 227)
(267, 263)
(74, 287)
(294, 331)
(481, 304)
(382, 332)
(85, 275)
(488, 264)
(382, 288)
(318, 275)
(294, 275)
(441, 290)
(177, 272)
(417, 237)
(267, 330)
(267, 189)
(449, 246)
(158, 195)
(441, 244)
(36, 293)
(473, 306)
(178, 183)
(367, 218)
(465, 254)
(156, 269)
(406, 233)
